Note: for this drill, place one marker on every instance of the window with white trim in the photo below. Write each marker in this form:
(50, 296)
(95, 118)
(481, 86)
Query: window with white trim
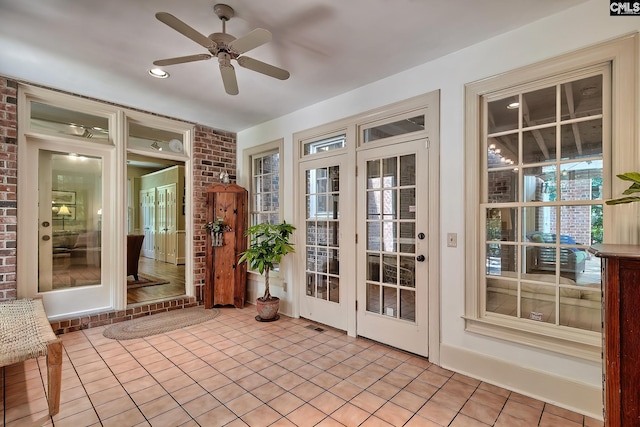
(262, 168)
(265, 188)
(540, 160)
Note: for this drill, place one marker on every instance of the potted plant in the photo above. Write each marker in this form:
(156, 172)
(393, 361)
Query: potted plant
(215, 229)
(634, 177)
(268, 244)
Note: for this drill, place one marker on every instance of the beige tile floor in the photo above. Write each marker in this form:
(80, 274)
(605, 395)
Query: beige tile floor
(234, 371)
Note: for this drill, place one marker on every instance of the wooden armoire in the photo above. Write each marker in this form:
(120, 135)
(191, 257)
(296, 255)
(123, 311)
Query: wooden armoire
(621, 333)
(226, 280)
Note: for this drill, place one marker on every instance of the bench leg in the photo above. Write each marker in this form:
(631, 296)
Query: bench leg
(54, 375)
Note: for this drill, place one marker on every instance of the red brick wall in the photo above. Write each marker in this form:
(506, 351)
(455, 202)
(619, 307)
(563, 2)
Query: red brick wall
(8, 185)
(214, 151)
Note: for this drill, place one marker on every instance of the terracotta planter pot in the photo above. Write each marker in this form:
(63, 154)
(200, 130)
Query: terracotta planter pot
(267, 310)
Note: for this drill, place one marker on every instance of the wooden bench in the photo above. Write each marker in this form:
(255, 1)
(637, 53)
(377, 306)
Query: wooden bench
(25, 333)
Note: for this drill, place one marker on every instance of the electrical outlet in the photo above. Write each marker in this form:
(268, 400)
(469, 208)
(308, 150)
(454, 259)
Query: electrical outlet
(452, 240)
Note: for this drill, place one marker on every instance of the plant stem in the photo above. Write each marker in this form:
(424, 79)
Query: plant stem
(267, 295)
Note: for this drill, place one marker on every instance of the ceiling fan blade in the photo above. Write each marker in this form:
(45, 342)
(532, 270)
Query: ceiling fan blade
(263, 67)
(255, 38)
(181, 59)
(185, 30)
(228, 74)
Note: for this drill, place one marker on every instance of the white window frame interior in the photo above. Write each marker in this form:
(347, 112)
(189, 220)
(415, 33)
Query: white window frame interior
(188, 132)
(114, 188)
(620, 136)
(327, 140)
(248, 156)
(378, 120)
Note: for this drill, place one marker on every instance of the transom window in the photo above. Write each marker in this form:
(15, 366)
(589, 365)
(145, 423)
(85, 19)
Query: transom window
(324, 145)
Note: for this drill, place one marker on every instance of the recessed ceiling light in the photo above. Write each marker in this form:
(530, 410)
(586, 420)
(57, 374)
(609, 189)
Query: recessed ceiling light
(158, 73)
(513, 105)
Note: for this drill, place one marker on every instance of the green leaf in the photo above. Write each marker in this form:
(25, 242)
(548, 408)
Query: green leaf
(635, 188)
(630, 176)
(623, 200)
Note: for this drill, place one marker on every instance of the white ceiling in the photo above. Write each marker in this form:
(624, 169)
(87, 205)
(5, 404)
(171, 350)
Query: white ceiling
(103, 48)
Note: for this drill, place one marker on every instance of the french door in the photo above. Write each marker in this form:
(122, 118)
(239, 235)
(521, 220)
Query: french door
(328, 241)
(148, 220)
(392, 258)
(67, 229)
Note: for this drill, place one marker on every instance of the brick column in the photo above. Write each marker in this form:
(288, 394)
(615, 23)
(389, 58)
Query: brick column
(214, 151)
(8, 186)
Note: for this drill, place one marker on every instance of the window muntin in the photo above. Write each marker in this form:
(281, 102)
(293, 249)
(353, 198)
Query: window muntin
(541, 203)
(390, 237)
(322, 228)
(265, 188)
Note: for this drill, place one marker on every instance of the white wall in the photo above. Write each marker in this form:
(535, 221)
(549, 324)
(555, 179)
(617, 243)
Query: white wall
(581, 26)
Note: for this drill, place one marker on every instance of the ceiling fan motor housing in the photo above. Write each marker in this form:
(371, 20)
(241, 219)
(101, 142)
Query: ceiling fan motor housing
(222, 41)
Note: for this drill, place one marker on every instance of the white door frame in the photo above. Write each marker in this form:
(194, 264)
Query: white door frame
(65, 302)
(387, 328)
(114, 153)
(351, 126)
(333, 314)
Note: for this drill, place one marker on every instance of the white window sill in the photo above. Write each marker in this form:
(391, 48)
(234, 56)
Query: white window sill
(567, 341)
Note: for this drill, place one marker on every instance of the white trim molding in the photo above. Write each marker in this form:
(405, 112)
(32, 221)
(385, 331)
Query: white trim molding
(620, 155)
(575, 396)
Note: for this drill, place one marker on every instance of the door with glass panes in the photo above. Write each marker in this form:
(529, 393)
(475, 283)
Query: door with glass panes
(68, 212)
(324, 188)
(392, 258)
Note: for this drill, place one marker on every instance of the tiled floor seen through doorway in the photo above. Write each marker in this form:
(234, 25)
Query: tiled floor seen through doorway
(234, 371)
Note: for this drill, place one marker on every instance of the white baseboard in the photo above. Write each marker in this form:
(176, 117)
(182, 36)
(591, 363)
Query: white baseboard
(572, 395)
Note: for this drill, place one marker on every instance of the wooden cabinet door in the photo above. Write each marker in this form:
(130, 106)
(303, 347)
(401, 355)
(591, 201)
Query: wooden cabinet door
(225, 278)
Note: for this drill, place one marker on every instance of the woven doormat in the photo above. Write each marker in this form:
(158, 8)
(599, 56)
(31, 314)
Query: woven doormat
(159, 323)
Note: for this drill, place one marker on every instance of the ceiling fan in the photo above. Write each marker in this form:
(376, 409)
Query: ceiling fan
(223, 46)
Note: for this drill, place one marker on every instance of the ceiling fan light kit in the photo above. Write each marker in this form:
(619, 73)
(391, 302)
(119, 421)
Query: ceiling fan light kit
(225, 47)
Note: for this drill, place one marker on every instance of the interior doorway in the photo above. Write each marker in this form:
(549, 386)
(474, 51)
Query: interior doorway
(156, 212)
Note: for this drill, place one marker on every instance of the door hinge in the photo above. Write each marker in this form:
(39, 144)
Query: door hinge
(356, 171)
(356, 305)
(356, 238)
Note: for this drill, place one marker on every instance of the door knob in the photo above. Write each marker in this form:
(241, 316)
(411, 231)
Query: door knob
(420, 258)
(421, 236)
